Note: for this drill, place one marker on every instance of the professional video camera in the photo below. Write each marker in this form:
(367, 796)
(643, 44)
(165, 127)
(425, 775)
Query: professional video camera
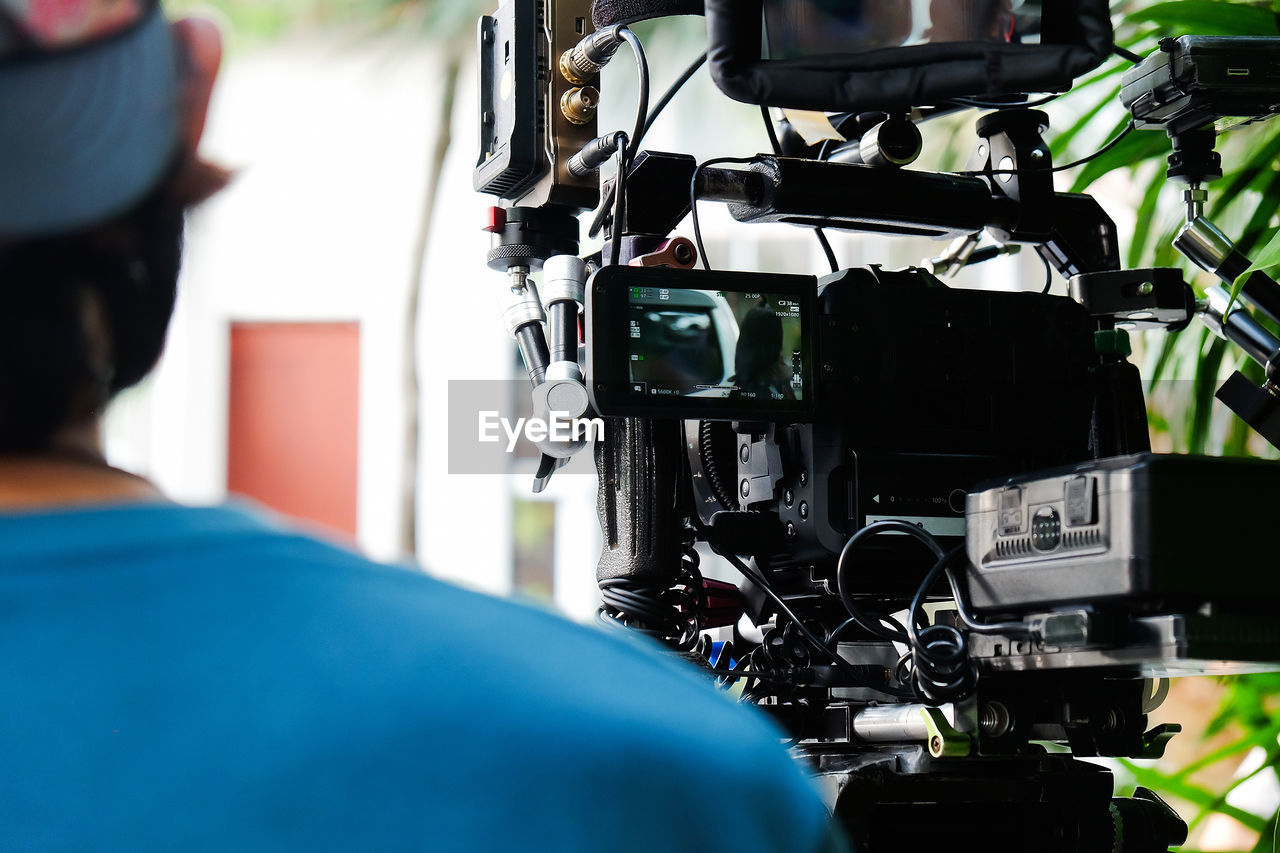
(960, 563)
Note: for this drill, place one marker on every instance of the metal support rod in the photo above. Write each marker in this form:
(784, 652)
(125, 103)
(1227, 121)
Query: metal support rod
(533, 349)
(891, 724)
(1239, 327)
(1208, 248)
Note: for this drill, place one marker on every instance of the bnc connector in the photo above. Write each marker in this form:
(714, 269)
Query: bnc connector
(579, 104)
(580, 63)
(576, 69)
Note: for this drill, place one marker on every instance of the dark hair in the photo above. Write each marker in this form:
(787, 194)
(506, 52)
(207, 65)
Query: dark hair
(759, 345)
(51, 372)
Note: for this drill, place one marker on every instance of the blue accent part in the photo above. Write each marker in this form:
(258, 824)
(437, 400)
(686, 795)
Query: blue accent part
(716, 649)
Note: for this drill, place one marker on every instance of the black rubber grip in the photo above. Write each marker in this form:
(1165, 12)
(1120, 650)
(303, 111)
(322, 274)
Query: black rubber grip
(636, 463)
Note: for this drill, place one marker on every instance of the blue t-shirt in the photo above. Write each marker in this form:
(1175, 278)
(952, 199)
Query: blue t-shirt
(199, 679)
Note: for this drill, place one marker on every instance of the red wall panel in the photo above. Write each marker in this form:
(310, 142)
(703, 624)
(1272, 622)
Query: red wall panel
(293, 415)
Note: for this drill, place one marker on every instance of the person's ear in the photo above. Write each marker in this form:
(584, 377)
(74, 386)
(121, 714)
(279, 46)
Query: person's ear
(194, 179)
(201, 40)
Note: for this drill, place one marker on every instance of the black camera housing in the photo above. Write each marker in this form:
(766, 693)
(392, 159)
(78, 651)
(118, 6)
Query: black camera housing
(922, 391)
(912, 393)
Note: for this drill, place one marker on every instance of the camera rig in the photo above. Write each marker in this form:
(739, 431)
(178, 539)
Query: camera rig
(960, 567)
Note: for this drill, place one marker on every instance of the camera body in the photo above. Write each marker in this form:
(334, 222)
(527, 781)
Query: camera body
(892, 397)
(947, 540)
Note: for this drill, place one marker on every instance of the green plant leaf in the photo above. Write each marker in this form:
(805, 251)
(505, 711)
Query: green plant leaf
(1267, 258)
(1062, 140)
(1262, 737)
(1142, 223)
(1260, 221)
(1167, 353)
(1210, 18)
(1269, 838)
(1204, 384)
(1138, 146)
(1260, 163)
(1151, 778)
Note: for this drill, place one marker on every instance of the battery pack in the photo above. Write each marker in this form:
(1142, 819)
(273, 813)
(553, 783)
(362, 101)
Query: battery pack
(1145, 532)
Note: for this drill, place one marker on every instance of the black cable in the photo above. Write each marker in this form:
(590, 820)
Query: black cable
(896, 632)
(642, 100)
(619, 196)
(733, 674)
(774, 146)
(1000, 105)
(627, 154)
(669, 614)
(941, 670)
(638, 129)
(757, 579)
(1048, 274)
(1125, 53)
(827, 250)
(693, 200)
(598, 220)
(1103, 150)
(835, 633)
(672, 90)
(970, 622)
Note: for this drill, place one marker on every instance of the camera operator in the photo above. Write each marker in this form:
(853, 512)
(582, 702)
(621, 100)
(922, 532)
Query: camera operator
(200, 678)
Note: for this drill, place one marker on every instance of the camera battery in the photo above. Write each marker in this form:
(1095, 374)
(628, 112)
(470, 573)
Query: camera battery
(1146, 532)
(1194, 80)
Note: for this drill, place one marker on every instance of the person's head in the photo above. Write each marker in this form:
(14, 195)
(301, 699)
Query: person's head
(103, 105)
(759, 345)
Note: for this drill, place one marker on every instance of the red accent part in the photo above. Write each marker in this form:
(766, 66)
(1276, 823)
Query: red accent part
(678, 252)
(497, 220)
(722, 604)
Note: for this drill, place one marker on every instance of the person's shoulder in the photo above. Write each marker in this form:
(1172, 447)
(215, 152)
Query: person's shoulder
(604, 723)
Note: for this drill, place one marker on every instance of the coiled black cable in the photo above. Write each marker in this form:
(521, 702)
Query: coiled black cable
(941, 670)
(937, 666)
(670, 615)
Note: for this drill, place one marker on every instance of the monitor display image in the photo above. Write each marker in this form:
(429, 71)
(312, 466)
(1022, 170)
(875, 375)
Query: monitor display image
(803, 28)
(715, 344)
